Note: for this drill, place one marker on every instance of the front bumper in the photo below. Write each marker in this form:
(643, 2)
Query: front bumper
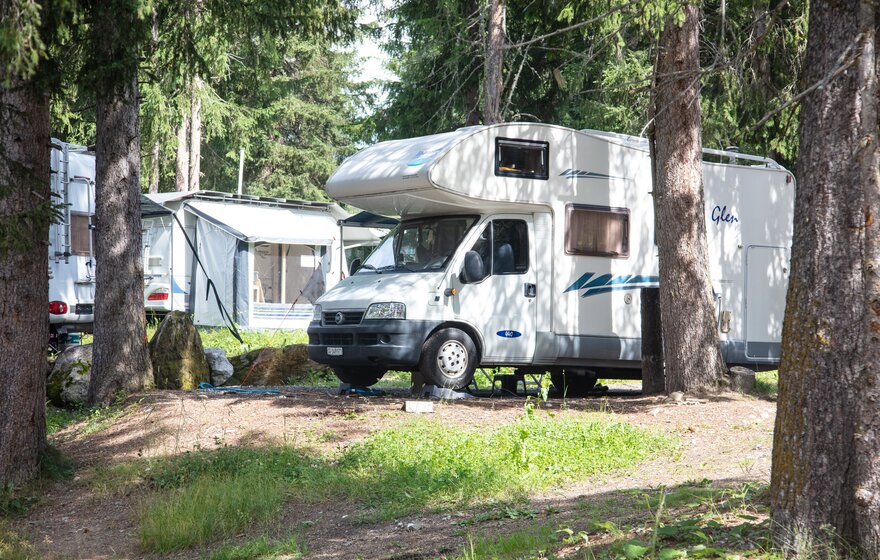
(390, 343)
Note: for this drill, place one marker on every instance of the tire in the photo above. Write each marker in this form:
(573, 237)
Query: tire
(449, 359)
(359, 377)
(573, 383)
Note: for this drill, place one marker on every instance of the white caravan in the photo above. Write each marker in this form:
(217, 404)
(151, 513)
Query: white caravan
(71, 249)
(259, 262)
(526, 245)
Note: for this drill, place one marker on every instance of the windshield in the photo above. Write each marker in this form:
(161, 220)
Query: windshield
(421, 245)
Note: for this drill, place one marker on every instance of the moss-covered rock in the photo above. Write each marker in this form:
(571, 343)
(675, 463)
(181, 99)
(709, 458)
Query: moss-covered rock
(273, 366)
(68, 384)
(177, 355)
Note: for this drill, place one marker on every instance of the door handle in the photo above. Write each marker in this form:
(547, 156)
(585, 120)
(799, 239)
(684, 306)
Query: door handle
(530, 290)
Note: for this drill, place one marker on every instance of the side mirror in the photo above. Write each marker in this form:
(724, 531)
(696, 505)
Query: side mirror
(472, 270)
(354, 266)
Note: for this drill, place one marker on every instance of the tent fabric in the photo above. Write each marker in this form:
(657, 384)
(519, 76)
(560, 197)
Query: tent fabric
(217, 251)
(269, 224)
(151, 208)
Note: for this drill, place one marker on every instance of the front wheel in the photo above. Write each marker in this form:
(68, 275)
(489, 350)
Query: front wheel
(449, 359)
(359, 377)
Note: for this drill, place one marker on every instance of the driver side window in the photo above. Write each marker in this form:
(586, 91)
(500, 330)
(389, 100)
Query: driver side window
(503, 246)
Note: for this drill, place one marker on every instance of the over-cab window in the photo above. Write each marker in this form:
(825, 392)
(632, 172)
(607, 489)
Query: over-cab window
(598, 231)
(522, 158)
(80, 235)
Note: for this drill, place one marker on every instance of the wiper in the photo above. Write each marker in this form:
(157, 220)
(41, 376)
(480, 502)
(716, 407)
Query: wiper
(369, 267)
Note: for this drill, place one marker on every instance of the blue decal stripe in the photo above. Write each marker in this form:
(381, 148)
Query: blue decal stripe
(599, 281)
(579, 283)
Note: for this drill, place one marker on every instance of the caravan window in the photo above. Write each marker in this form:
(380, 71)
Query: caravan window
(80, 235)
(522, 158)
(598, 231)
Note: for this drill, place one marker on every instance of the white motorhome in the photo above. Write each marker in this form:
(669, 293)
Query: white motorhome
(71, 249)
(526, 245)
(259, 262)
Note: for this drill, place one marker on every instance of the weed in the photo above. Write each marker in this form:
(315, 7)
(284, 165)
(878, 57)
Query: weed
(529, 542)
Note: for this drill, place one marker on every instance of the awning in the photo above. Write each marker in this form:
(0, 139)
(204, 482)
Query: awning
(150, 208)
(269, 224)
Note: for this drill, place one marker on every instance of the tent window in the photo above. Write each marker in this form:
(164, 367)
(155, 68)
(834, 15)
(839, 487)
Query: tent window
(286, 274)
(598, 231)
(80, 235)
(522, 158)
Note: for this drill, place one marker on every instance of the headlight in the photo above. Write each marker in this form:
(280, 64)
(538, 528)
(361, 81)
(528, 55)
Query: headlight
(389, 310)
(316, 315)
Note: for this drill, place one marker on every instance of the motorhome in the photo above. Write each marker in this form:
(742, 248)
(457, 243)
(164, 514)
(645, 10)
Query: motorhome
(526, 245)
(71, 247)
(259, 262)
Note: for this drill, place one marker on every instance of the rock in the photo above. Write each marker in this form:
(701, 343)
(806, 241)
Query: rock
(220, 366)
(176, 352)
(741, 379)
(273, 366)
(418, 407)
(676, 396)
(68, 383)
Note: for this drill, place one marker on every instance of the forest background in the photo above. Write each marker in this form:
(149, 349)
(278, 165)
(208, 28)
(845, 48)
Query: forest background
(297, 104)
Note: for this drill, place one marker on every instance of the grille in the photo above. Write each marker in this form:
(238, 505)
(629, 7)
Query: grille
(84, 308)
(368, 339)
(348, 317)
(340, 339)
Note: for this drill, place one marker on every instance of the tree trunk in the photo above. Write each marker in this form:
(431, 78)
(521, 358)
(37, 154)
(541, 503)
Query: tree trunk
(24, 330)
(653, 377)
(691, 346)
(826, 447)
(121, 362)
(195, 136)
(154, 167)
(181, 177)
(494, 61)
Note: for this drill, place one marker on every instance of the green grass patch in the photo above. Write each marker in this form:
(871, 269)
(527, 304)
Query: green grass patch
(13, 547)
(531, 542)
(208, 509)
(767, 383)
(205, 496)
(260, 549)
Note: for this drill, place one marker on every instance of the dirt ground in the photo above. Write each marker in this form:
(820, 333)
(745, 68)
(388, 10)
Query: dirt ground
(725, 438)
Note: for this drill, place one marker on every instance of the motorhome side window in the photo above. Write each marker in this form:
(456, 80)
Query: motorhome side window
(503, 246)
(598, 231)
(522, 158)
(80, 235)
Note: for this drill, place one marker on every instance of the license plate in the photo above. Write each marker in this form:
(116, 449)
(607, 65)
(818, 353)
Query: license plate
(334, 350)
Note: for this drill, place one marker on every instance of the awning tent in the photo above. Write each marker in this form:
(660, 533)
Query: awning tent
(268, 224)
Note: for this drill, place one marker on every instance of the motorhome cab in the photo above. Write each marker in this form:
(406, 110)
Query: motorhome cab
(526, 245)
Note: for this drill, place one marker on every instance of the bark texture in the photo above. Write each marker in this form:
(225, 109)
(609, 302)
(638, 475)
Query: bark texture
(494, 62)
(181, 176)
(195, 136)
(826, 455)
(691, 345)
(121, 361)
(24, 329)
(653, 377)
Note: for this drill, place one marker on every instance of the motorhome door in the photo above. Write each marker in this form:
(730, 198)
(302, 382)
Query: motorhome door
(502, 302)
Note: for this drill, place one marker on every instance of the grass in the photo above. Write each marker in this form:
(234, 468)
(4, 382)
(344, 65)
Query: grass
(204, 496)
(767, 383)
(686, 522)
(260, 549)
(211, 507)
(87, 420)
(13, 547)
(220, 337)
